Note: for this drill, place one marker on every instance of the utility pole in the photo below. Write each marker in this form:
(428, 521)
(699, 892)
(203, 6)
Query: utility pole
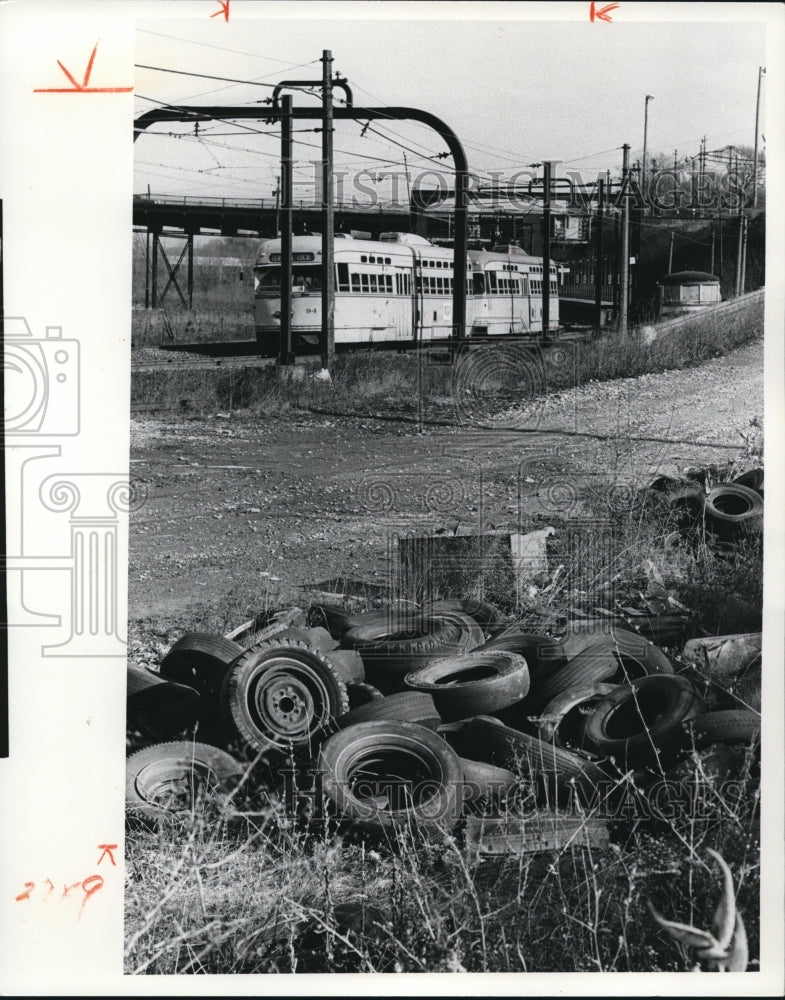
(546, 250)
(711, 267)
(761, 71)
(328, 221)
(670, 252)
(649, 97)
(599, 252)
(743, 279)
(625, 243)
(285, 344)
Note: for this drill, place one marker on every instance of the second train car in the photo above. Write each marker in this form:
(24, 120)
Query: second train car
(398, 291)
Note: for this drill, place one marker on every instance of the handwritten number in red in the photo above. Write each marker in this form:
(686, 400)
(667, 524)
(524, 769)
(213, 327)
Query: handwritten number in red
(29, 886)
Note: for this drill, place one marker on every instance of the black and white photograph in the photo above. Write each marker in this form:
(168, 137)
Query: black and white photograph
(427, 573)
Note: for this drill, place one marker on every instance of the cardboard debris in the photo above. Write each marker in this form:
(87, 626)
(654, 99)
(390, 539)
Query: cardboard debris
(725, 656)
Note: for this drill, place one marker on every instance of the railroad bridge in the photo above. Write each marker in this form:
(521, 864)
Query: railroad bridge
(176, 217)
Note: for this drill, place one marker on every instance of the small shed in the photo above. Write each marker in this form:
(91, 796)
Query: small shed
(686, 291)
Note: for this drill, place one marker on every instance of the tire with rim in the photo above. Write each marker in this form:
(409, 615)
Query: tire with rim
(280, 695)
(387, 776)
(473, 683)
(408, 706)
(729, 727)
(200, 660)
(636, 723)
(563, 719)
(169, 779)
(555, 774)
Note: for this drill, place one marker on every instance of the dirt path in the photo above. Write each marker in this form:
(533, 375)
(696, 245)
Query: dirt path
(244, 511)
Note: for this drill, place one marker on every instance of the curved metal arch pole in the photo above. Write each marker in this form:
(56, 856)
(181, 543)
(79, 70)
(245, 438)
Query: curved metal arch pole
(183, 113)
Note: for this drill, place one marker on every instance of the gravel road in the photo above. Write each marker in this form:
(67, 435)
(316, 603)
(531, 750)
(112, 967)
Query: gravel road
(250, 509)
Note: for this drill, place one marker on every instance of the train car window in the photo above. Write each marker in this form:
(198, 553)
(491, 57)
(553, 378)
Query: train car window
(270, 279)
(343, 278)
(388, 282)
(355, 282)
(364, 282)
(364, 258)
(387, 260)
(478, 283)
(372, 282)
(492, 282)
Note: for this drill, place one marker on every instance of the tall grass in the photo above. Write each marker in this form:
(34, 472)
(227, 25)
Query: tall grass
(262, 886)
(492, 377)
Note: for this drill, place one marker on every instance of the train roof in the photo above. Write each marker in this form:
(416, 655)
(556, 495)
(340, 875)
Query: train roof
(689, 278)
(313, 242)
(486, 256)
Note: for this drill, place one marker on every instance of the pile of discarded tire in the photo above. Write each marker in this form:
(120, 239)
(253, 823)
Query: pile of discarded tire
(728, 511)
(418, 720)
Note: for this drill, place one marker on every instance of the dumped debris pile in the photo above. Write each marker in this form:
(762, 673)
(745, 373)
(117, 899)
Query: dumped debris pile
(442, 720)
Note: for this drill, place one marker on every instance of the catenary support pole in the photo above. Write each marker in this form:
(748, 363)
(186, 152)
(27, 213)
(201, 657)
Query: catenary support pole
(328, 220)
(546, 250)
(599, 254)
(624, 291)
(285, 354)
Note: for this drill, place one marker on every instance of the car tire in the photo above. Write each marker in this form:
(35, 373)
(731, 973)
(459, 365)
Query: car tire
(200, 660)
(160, 780)
(458, 692)
(383, 752)
(280, 695)
(555, 774)
(637, 723)
(729, 727)
(408, 706)
(563, 719)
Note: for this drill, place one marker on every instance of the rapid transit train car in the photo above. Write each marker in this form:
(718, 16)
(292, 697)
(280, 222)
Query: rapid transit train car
(397, 291)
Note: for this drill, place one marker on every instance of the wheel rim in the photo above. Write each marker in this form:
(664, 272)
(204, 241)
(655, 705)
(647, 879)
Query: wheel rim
(176, 784)
(286, 701)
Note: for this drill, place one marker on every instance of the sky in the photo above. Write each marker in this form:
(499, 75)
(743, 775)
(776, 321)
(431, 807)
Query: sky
(516, 91)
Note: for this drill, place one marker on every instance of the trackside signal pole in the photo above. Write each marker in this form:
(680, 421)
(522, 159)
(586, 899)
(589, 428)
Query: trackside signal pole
(286, 357)
(328, 219)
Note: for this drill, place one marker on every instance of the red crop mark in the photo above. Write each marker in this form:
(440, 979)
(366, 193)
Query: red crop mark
(82, 88)
(224, 10)
(106, 851)
(603, 13)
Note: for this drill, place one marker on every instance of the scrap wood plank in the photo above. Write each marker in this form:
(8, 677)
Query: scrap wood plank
(533, 834)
